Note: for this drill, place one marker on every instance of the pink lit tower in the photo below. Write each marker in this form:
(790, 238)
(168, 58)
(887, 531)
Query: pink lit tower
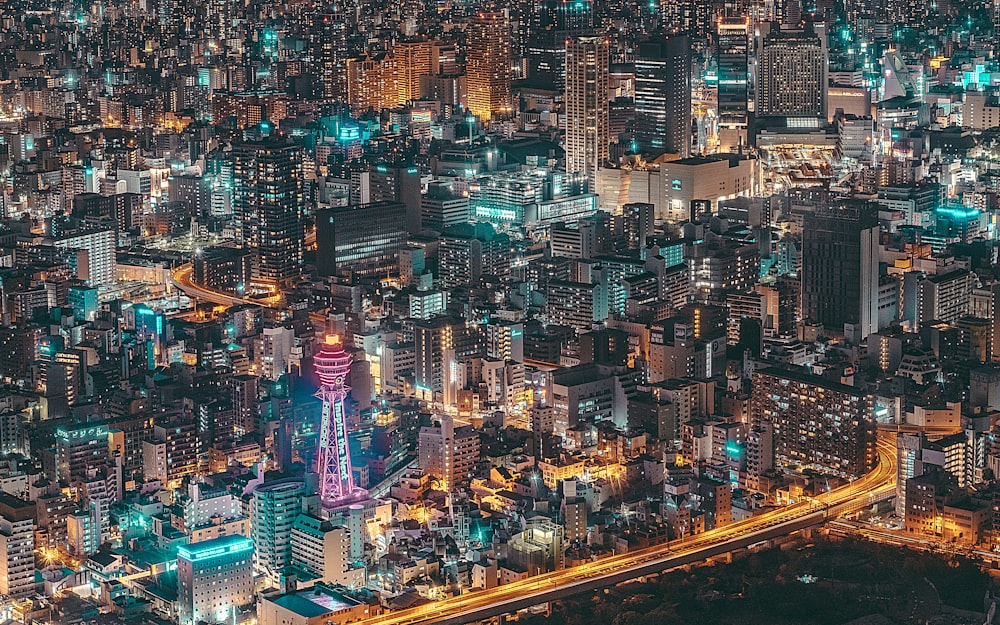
(336, 480)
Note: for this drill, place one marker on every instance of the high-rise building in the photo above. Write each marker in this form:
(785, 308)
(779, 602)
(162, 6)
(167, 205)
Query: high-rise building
(214, 578)
(328, 47)
(447, 452)
(468, 252)
(371, 84)
(268, 205)
(488, 66)
(816, 423)
(663, 96)
(792, 74)
(272, 516)
(732, 57)
(944, 296)
(441, 344)
(99, 248)
(362, 240)
(80, 449)
(336, 478)
(83, 536)
(587, 106)
(840, 269)
(411, 60)
(17, 546)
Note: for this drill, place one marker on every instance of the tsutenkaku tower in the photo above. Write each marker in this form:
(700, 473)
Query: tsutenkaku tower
(336, 480)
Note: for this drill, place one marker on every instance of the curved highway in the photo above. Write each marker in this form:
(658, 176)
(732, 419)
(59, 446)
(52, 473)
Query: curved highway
(182, 276)
(608, 571)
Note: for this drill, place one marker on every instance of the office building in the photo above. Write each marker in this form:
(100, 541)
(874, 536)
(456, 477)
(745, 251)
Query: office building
(840, 269)
(587, 106)
(663, 97)
(442, 207)
(397, 183)
(732, 56)
(792, 74)
(360, 240)
(488, 66)
(214, 579)
(268, 204)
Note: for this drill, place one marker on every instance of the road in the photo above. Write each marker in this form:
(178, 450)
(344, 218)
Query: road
(478, 605)
(182, 279)
(916, 542)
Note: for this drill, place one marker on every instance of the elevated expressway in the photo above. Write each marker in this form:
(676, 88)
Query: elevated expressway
(478, 605)
(182, 279)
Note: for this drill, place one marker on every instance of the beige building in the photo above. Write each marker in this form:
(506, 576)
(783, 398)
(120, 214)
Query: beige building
(710, 178)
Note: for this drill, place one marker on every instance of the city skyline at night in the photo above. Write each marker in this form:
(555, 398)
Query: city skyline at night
(408, 313)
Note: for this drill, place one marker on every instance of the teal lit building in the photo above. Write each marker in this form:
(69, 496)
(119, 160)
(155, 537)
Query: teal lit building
(214, 579)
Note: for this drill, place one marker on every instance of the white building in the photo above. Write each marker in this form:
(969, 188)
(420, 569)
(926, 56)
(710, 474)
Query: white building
(323, 549)
(214, 578)
(100, 247)
(17, 546)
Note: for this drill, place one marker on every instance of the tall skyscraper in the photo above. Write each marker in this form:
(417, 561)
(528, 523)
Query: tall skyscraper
(663, 96)
(840, 269)
(214, 578)
(268, 205)
(792, 74)
(731, 56)
(411, 60)
(587, 103)
(336, 480)
(272, 516)
(488, 66)
(328, 48)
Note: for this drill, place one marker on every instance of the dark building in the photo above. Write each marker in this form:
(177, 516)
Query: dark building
(362, 240)
(731, 56)
(123, 209)
(817, 424)
(268, 205)
(840, 269)
(663, 96)
(222, 268)
(399, 183)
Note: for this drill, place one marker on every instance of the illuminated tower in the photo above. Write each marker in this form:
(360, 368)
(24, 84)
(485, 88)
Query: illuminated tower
(336, 481)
